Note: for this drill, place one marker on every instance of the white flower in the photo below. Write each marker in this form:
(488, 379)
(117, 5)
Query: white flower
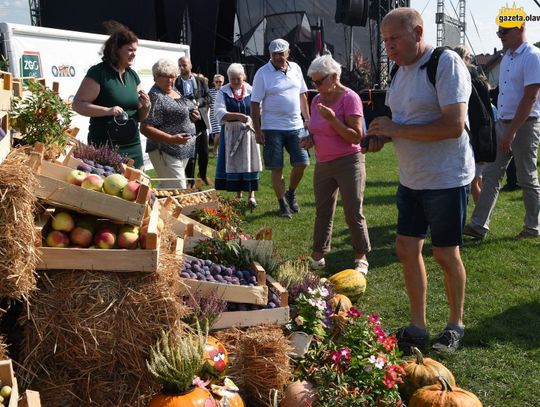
(313, 302)
(299, 321)
(312, 291)
(324, 292)
(377, 361)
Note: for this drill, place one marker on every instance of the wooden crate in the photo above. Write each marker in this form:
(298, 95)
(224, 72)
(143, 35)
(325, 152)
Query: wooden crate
(270, 316)
(229, 292)
(181, 224)
(187, 209)
(30, 398)
(8, 378)
(54, 189)
(117, 260)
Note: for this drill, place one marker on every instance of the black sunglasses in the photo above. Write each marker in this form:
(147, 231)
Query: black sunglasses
(320, 81)
(503, 31)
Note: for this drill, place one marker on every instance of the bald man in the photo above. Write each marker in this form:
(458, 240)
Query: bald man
(436, 166)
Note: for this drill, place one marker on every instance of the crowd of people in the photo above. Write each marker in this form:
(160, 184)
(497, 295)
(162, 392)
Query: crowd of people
(428, 130)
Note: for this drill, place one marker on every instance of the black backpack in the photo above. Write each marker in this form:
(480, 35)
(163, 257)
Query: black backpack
(481, 128)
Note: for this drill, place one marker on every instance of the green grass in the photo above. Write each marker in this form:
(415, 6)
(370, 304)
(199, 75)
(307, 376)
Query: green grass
(500, 359)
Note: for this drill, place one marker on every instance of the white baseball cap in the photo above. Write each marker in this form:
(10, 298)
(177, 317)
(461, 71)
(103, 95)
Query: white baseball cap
(278, 45)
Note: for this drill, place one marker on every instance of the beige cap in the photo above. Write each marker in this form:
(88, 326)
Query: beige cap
(278, 45)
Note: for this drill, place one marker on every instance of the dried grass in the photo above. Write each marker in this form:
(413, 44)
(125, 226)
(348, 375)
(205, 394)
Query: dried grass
(259, 362)
(18, 256)
(87, 334)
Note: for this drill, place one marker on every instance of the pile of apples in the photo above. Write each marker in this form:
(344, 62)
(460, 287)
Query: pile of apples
(114, 184)
(68, 230)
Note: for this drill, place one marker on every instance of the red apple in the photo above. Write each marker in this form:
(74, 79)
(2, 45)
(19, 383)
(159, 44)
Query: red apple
(63, 222)
(128, 238)
(93, 182)
(57, 239)
(81, 236)
(104, 239)
(131, 190)
(76, 177)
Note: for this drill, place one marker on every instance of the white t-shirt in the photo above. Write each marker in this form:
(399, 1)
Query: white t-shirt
(518, 69)
(279, 94)
(412, 98)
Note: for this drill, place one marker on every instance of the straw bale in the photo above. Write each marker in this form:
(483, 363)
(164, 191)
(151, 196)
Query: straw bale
(87, 333)
(18, 256)
(259, 362)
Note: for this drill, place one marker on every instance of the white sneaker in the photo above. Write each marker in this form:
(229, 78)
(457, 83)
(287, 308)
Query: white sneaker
(361, 265)
(316, 264)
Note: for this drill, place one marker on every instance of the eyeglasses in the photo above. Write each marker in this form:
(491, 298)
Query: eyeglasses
(503, 31)
(319, 82)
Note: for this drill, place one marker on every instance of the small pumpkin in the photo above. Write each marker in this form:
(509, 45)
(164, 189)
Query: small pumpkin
(420, 372)
(343, 301)
(443, 394)
(349, 282)
(230, 399)
(196, 397)
(215, 360)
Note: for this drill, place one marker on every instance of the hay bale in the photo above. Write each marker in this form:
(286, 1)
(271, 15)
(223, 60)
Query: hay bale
(260, 364)
(87, 334)
(18, 256)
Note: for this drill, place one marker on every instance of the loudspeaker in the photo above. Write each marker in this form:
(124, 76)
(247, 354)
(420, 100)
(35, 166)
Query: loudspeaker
(352, 12)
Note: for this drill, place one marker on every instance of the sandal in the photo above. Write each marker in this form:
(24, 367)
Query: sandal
(316, 264)
(361, 265)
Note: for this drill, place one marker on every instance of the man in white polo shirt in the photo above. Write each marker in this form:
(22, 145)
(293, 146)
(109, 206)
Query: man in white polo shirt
(279, 95)
(518, 132)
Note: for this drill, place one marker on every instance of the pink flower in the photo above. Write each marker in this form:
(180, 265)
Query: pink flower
(373, 318)
(354, 313)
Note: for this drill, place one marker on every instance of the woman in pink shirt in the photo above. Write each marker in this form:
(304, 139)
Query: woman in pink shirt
(335, 132)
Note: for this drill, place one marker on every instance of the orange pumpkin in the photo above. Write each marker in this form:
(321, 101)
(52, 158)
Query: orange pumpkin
(230, 399)
(342, 300)
(443, 395)
(216, 359)
(196, 397)
(422, 372)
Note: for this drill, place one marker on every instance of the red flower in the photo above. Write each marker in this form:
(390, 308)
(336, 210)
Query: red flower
(354, 313)
(390, 342)
(373, 318)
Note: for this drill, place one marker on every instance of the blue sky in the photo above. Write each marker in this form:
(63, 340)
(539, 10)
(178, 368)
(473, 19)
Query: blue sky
(483, 12)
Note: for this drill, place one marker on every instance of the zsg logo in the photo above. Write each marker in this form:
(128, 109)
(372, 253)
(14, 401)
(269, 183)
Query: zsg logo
(63, 71)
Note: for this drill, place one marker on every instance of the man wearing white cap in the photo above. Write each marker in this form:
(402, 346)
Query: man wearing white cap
(279, 95)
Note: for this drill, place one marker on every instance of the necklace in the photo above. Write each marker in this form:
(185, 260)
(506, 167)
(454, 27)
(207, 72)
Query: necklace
(239, 93)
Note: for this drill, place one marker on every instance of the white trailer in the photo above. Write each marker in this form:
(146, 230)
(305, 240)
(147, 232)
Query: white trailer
(65, 56)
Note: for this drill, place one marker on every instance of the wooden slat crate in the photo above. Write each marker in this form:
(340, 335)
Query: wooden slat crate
(30, 398)
(54, 189)
(117, 260)
(191, 241)
(187, 208)
(8, 378)
(181, 224)
(274, 316)
(229, 292)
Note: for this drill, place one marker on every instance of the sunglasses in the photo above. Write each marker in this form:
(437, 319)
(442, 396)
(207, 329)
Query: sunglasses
(320, 81)
(503, 31)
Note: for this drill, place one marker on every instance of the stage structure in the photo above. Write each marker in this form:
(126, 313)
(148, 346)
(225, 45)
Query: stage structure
(450, 30)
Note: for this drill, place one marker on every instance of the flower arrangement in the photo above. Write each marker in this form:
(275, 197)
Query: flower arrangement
(42, 117)
(228, 217)
(310, 313)
(357, 365)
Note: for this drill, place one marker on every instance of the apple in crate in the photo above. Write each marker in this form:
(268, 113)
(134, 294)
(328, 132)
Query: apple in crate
(93, 182)
(57, 239)
(105, 238)
(128, 237)
(63, 222)
(131, 190)
(114, 184)
(76, 177)
(81, 236)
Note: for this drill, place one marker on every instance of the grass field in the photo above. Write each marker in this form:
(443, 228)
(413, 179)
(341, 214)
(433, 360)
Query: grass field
(500, 359)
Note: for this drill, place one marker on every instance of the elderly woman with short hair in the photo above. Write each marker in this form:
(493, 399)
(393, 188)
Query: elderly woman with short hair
(169, 127)
(335, 130)
(239, 161)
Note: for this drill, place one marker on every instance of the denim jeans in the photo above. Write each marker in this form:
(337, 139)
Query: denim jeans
(525, 152)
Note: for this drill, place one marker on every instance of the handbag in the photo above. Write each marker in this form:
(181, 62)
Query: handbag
(121, 132)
